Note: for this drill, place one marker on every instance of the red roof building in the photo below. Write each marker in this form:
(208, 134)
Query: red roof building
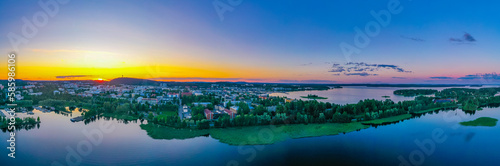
(209, 114)
(230, 113)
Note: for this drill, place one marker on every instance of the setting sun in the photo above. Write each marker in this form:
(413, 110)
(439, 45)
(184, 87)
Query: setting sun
(100, 80)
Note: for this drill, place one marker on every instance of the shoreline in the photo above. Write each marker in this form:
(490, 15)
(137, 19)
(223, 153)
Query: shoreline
(388, 120)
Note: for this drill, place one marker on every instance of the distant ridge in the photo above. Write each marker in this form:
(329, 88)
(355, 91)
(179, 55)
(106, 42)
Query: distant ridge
(132, 81)
(18, 82)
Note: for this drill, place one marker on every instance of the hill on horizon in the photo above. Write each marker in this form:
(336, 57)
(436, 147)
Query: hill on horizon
(132, 81)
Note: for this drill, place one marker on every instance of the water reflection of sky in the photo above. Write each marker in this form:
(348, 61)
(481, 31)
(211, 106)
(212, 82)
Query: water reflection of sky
(353, 94)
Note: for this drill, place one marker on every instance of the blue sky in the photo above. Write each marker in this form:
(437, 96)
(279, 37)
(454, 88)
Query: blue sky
(277, 41)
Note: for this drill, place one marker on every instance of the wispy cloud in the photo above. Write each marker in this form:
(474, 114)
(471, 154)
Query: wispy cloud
(364, 69)
(485, 76)
(308, 81)
(364, 74)
(466, 38)
(72, 76)
(306, 64)
(319, 81)
(442, 78)
(399, 77)
(337, 70)
(413, 38)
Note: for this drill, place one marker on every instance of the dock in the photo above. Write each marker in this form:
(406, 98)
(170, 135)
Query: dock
(77, 119)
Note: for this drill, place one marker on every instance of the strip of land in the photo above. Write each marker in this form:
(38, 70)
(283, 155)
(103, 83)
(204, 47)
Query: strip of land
(388, 120)
(427, 110)
(255, 135)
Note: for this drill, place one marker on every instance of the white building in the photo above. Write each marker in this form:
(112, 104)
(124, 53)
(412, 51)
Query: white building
(36, 94)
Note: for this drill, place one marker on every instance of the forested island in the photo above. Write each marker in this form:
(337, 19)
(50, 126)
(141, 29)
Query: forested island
(414, 92)
(483, 121)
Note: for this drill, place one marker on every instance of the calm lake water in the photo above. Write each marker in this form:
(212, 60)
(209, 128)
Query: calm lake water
(352, 94)
(127, 144)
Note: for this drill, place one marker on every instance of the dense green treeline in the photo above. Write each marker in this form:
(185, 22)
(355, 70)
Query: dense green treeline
(122, 109)
(302, 112)
(472, 99)
(414, 92)
(20, 123)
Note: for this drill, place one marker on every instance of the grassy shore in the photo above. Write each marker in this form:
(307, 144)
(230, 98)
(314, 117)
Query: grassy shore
(168, 133)
(483, 121)
(387, 120)
(255, 135)
(261, 135)
(427, 110)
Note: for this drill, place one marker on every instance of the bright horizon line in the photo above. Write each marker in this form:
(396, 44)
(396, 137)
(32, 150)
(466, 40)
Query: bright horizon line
(278, 82)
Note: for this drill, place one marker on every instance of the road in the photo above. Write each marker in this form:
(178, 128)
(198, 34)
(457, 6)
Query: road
(180, 109)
